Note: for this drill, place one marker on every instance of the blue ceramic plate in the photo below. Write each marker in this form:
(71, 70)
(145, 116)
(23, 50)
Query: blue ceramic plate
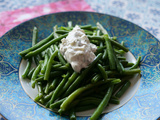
(15, 103)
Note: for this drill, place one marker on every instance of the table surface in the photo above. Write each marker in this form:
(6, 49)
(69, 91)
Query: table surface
(144, 13)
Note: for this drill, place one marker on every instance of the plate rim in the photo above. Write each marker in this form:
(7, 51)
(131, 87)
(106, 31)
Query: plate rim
(155, 39)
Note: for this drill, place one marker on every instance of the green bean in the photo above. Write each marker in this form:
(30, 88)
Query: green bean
(86, 26)
(55, 74)
(41, 78)
(47, 97)
(77, 92)
(84, 108)
(61, 31)
(54, 31)
(61, 68)
(34, 42)
(54, 83)
(37, 58)
(121, 52)
(100, 38)
(115, 38)
(113, 73)
(69, 82)
(89, 100)
(129, 65)
(105, 54)
(115, 43)
(36, 46)
(40, 92)
(87, 32)
(48, 67)
(115, 81)
(46, 91)
(70, 24)
(137, 63)
(106, 67)
(100, 27)
(119, 45)
(56, 65)
(123, 89)
(121, 58)
(44, 47)
(102, 70)
(101, 44)
(34, 75)
(98, 32)
(114, 101)
(26, 71)
(50, 51)
(41, 62)
(95, 91)
(117, 86)
(110, 53)
(100, 49)
(118, 64)
(74, 103)
(125, 72)
(57, 104)
(59, 87)
(123, 62)
(122, 43)
(96, 101)
(96, 78)
(61, 59)
(34, 37)
(131, 72)
(82, 75)
(30, 73)
(46, 58)
(103, 104)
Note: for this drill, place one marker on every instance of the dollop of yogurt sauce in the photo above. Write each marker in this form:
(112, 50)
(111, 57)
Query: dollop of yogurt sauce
(77, 49)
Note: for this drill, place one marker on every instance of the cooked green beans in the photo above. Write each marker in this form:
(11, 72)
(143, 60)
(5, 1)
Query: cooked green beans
(62, 89)
(137, 63)
(35, 35)
(59, 87)
(110, 53)
(49, 65)
(102, 70)
(46, 58)
(77, 92)
(123, 89)
(39, 44)
(82, 75)
(103, 104)
(34, 75)
(27, 69)
(44, 47)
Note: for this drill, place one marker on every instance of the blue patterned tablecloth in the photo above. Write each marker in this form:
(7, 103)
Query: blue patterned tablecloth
(144, 13)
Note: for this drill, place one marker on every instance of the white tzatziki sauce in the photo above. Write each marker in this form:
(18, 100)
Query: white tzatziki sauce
(77, 49)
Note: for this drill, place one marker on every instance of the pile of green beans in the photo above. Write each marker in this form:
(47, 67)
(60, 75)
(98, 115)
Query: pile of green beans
(62, 89)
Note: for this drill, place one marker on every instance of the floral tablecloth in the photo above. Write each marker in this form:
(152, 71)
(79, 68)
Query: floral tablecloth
(145, 13)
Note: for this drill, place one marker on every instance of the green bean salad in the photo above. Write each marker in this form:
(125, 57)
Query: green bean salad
(66, 91)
